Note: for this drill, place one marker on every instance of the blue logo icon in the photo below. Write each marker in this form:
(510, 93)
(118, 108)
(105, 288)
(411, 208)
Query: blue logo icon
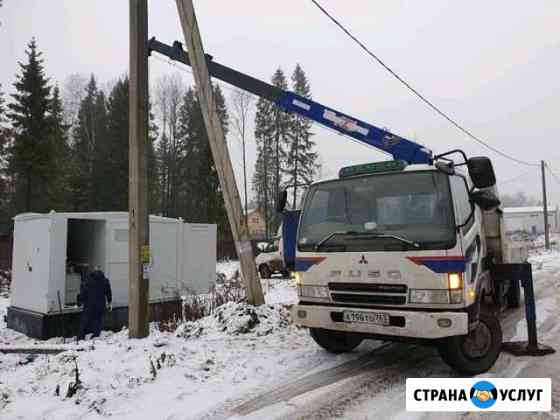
(483, 394)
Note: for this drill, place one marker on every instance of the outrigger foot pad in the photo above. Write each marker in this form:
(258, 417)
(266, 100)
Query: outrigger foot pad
(524, 348)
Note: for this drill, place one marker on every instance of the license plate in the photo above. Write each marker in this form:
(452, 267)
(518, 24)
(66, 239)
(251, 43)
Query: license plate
(378, 318)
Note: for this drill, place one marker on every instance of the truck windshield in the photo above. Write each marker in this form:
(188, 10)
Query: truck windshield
(400, 211)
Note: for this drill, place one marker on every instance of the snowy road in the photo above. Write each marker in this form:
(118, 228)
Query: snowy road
(373, 386)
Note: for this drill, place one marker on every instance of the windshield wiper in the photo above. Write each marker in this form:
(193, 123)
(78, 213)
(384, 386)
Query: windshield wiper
(332, 235)
(359, 235)
(385, 235)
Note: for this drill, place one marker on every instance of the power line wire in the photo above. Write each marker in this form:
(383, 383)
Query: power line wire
(417, 93)
(515, 178)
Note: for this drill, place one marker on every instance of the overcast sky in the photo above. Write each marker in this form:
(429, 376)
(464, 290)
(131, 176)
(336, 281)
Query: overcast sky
(493, 65)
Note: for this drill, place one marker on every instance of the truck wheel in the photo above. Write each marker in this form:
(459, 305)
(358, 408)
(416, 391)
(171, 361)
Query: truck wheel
(477, 351)
(514, 294)
(335, 341)
(264, 271)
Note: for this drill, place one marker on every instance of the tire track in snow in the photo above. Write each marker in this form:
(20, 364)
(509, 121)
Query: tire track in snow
(332, 392)
(379, 365)
(389, 380)
(345, 385)
(313, 381)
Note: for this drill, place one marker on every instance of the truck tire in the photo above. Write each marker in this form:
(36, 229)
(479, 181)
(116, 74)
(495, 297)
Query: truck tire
(335, 341)
(265, 272)
(514, 294)
(477, 351)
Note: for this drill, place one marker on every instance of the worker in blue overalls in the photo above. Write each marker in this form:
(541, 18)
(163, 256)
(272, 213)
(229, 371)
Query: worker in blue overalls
(95, 296)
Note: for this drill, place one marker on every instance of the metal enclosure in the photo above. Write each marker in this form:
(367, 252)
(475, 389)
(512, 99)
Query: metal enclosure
(183, 257)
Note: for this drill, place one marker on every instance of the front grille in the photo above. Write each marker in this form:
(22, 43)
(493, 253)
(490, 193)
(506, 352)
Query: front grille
(370, 299)
(368, 287)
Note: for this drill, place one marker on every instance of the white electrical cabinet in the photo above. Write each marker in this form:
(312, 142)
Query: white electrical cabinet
(52, 250)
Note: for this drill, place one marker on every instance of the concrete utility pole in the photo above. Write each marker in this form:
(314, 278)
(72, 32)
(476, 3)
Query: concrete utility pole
(220, 152)
(545, 206)
(139, 234)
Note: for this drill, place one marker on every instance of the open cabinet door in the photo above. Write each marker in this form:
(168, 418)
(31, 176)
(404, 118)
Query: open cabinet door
(58, 245)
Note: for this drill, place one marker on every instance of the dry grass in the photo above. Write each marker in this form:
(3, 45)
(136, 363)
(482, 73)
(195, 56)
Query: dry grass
(196, 306)
(5, 281)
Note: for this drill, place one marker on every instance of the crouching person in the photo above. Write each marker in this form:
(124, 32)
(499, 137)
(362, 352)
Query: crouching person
(95, 296)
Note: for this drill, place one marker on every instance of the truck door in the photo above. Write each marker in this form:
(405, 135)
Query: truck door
(469, 233)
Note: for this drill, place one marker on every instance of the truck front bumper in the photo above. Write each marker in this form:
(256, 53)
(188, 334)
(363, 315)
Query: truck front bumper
(412, 324)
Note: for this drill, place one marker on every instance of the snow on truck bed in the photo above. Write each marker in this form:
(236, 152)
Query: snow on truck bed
(238, 354)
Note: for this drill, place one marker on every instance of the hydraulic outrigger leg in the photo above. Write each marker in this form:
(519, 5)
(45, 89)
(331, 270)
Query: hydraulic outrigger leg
(531, 347)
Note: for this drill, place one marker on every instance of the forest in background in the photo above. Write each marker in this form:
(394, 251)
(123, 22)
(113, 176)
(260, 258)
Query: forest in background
(65, 147)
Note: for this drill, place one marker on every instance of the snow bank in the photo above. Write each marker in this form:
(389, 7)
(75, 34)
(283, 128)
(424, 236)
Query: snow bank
(238, 318)
(166, 375)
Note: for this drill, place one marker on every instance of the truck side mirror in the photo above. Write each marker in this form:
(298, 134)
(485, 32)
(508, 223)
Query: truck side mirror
(481, 172)
(486, 200)
(281, 201)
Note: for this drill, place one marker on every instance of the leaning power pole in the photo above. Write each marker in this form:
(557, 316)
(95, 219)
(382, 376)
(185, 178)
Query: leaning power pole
(545, 206)
(220, 151)
(138, 223)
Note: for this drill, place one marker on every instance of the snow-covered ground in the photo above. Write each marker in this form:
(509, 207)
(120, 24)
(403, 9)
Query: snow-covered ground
(247, 363)
(223, 358)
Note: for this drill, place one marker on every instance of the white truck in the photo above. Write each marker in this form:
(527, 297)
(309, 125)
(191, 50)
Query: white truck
(408, 249)
(402, 252)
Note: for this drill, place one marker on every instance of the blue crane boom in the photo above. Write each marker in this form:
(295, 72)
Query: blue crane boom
(382, 139)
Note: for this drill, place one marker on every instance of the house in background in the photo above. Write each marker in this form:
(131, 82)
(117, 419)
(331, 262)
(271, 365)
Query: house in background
(256, 224)
(530, 219)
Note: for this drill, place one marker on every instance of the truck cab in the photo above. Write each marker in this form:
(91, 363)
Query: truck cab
(399, 252)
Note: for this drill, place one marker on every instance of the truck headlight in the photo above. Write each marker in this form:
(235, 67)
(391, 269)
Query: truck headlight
(319, 292)
(455, 281)
(297, 277)
(429, 296)
(455, 284)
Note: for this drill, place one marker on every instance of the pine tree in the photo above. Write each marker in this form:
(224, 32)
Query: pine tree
(59, 143)
(4, 179)
(162, 155)
(217, 209)
(3, 131)
(301, 163)
(169, 96)
(190, 154)
(200, 195)
(272, 127)
(89, 150)
(113, 169)
(101, 187)
(115, 173)
(31, 157)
